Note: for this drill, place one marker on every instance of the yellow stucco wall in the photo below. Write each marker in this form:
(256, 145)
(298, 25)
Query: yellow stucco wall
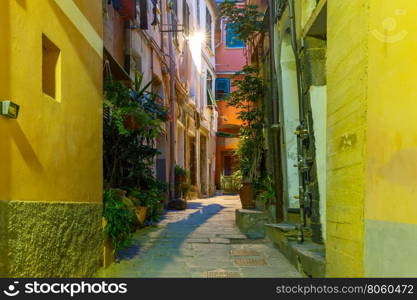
(53, 151)
(391, 192)
(392, 131)
(372, 139)
(346, 130)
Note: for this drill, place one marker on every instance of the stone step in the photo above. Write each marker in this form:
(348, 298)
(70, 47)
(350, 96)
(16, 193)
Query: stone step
(251, 222)
(307, 257)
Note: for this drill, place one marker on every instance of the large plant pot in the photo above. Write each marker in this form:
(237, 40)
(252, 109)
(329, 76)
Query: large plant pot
(141, 214)
(246, 195)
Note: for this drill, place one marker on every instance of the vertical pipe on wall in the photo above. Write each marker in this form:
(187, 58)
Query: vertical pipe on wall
(172, 111)
(275, 130)
(293, 32)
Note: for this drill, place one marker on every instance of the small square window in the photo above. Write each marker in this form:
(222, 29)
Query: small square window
(222, 88)
(51, 69)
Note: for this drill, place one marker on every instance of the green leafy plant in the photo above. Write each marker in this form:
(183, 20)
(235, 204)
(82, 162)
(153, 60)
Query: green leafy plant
(120, 219)
(151, 197)
(133, 120)
(231, 183)
(249, 91)
(250, 26)
(266, 187)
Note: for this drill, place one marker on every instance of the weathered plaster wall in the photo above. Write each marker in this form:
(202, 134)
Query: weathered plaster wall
(52, 153)
(346, 140)
(391, 195)
(3, 240)
(51, 240)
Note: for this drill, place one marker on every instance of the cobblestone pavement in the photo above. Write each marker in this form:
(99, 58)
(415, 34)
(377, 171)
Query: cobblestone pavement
(202, 241)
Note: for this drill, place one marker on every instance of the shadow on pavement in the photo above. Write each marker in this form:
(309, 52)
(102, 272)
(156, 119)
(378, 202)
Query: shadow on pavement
(159, 248)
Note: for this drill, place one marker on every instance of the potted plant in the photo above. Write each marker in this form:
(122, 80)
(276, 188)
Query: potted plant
(141, 200)
(249, 90)
(181, 188)
(118, 221)
(131, 123)
(182, 183)
(140, 209)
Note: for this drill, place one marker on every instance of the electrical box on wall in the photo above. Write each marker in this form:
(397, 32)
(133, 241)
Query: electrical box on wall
(9, 109)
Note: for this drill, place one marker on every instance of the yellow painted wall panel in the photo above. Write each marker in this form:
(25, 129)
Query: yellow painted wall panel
(54, 148)
(392, 114)
(336, 265)
(346, 186)
(90, 8)
(347, 92)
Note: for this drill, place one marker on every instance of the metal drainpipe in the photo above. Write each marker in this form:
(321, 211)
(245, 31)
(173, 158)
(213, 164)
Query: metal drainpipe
(297, 59)
(277, 157)
(293, 31)
(172, 113)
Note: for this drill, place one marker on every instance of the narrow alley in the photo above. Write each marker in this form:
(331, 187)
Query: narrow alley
(200, 242)
(208, 139)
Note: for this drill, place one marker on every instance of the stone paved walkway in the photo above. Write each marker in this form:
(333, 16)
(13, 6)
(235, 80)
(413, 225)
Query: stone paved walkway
(202, 241)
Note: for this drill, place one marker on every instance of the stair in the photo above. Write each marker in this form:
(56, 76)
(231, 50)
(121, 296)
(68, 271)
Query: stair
(307, 257)
(251, 222)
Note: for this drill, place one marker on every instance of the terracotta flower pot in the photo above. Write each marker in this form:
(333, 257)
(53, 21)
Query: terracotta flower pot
(141, 214)
(131, 123)
(246, 195)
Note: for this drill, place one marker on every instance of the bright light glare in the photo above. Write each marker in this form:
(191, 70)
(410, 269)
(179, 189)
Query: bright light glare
(196, 41)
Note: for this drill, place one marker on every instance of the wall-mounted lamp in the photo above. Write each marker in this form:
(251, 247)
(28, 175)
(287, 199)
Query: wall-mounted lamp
(9, 109)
